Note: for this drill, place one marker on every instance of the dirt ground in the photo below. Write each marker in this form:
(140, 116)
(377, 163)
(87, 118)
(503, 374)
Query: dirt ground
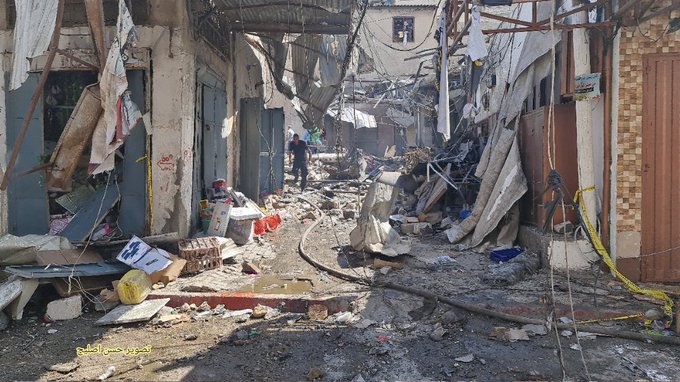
(388, 336)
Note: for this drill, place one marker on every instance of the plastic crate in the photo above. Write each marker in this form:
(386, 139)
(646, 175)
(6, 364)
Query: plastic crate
(201, 254)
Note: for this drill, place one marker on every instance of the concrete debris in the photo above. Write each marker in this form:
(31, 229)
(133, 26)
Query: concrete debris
(349, 214)
(9, 291)
(447, 222)
(364, 323)
(315, 373)
(124, 314)
(385, 270)
(358, 378)
(565, 227)
(108, 373)
(330, 205)
(566, 333)
(416, 228)
(190, 337)
(576, 347)
(204, 307)
(185, 307)
(250, 268)
(64, 368)
(317, 312)
(65, 308)
(344, 318)
(509, 334)
(260, 311)
(533, 329)
(16, 307)
(466, 358)
(237, 313)
(438, 332)
(52, 331)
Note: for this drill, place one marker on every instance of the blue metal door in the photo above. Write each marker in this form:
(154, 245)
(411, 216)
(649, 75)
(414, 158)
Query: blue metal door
(28, 211)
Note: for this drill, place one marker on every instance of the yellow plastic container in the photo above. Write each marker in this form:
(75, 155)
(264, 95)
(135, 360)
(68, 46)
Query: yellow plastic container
(134, 286)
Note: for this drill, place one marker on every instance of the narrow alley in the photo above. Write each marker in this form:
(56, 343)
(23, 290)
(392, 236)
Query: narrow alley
(339, 190)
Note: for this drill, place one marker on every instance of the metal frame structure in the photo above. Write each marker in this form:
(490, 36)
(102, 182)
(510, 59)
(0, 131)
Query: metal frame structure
(462, 9)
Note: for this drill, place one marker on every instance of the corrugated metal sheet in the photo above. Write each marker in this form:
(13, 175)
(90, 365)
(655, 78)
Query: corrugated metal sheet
(314, 16)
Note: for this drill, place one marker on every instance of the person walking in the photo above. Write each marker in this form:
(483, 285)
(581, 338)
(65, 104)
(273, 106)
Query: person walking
(298, 152)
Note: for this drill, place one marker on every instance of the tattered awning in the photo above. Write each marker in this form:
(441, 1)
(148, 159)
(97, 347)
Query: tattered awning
(299, 16)
(363, 120)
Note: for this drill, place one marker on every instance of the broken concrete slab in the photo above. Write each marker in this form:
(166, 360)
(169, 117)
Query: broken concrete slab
(15, 250)
(65, 308)
(16, 307)
(63, 368)
(250, 268)
(124, 314)
(317, 312)
(9, 291)
(416, 228)
(509, 334)
(540, 330)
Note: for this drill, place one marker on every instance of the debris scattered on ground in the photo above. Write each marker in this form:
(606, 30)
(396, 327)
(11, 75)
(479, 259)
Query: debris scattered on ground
(438, 332)
(534, 329)
(260, 311)
(317, 312)
(509, 334)
(315, 373)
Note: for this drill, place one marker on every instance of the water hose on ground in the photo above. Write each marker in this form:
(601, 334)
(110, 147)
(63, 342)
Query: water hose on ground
(465, 306)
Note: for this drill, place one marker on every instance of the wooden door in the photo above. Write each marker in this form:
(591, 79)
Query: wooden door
(661, 168)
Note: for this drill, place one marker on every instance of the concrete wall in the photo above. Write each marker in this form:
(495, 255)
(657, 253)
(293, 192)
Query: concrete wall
(378, 28)
(634, 44)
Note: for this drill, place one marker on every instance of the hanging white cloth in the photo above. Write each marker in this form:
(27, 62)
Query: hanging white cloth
(33, 31)
(443, 122)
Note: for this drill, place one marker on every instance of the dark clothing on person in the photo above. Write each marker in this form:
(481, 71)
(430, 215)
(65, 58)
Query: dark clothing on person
(299, 161)
(301, 168)
(299, 151)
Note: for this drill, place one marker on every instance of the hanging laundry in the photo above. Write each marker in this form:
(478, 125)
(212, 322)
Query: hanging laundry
(34, 26)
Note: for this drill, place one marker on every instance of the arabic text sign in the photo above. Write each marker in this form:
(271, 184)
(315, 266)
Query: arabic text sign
(140, 255)
(587, 87)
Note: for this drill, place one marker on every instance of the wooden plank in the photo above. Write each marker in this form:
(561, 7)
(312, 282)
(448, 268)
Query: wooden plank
(662, 194)
(77, 134)
(124, 314)
(673, 270)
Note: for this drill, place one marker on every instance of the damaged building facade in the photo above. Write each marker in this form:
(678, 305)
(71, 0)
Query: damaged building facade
(629, 89)
(200, 86)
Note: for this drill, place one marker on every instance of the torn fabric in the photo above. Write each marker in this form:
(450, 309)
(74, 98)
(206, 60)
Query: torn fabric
(476, 45)
(501, 148)
(33, 29)
(120, 114)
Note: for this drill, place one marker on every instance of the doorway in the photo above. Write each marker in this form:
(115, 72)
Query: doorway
(660, 250)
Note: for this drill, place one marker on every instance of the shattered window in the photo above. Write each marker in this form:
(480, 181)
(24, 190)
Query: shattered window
(402, 29)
